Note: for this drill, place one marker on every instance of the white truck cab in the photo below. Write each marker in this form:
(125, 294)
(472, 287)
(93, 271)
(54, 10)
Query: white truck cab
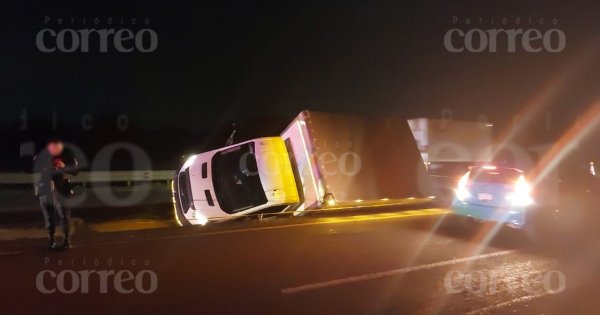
(246, 178)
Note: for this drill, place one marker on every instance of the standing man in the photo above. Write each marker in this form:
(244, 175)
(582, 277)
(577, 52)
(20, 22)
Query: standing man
(54, 188)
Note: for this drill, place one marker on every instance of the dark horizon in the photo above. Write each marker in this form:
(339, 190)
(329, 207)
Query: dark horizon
(235, 62)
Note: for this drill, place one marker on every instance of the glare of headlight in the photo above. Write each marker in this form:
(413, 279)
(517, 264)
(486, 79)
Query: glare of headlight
(329, 199)
(189, 161)
(202, 220)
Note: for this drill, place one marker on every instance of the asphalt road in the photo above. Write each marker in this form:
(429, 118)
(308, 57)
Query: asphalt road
(409, 262)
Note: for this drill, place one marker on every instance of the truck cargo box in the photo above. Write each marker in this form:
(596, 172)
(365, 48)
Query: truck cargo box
(452, 141)
(344, 160)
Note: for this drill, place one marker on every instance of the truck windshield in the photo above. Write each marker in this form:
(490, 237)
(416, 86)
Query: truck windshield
(235, 178)
(185, 191)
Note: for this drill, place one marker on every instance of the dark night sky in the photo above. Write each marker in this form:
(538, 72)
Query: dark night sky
(235, 61)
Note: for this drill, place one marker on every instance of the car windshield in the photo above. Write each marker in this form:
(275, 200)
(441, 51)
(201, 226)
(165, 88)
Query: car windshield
(500, 175)
(236, 180)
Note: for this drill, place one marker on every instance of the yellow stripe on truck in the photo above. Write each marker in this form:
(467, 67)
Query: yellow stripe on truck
(276, 161)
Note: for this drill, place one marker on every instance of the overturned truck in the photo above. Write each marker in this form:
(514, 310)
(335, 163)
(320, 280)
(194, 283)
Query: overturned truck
(320, 161)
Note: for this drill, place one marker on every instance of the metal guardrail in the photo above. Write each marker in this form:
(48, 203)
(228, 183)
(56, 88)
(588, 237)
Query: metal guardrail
(94, 177)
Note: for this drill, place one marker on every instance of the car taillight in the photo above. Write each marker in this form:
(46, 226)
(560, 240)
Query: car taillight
(521, 196)
(462, 192)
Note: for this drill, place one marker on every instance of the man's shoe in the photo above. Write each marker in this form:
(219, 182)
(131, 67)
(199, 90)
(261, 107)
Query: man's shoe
(66, 245)
(52, 245)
